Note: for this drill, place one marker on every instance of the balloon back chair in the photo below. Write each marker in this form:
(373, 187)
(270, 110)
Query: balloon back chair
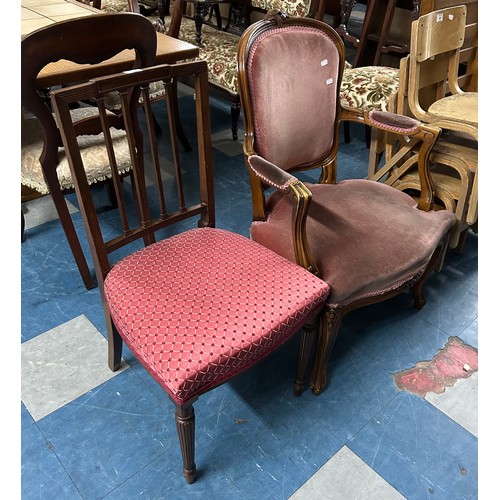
(367, 240)
(197, 306)
(44, 165)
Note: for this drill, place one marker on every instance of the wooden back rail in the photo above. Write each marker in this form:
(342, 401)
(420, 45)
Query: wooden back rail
(145, 222)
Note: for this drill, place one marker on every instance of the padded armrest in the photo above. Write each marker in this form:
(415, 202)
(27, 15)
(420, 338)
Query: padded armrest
(270, 173)
(392, 122)
(276, 177)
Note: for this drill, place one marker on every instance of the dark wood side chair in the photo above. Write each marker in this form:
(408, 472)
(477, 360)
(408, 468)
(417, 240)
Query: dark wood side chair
(367, 240)
(198, 307)
(44, 165)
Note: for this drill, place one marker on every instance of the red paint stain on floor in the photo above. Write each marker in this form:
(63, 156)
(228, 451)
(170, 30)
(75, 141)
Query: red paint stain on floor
(456, 360)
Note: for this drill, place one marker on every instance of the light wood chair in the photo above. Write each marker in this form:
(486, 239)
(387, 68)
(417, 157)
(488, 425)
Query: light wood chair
(453, 166)
(443, 60)
(197, 306)
(437, 36)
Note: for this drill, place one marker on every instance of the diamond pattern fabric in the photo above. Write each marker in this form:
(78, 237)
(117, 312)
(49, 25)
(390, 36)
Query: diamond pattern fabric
(203, 306)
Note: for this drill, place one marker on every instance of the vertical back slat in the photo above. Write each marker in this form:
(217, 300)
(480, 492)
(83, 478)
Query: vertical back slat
(175, 146)
(144, 197)
(155, 157)
(116, 181)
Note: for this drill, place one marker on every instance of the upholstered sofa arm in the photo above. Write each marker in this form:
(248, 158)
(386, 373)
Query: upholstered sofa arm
(274, 176)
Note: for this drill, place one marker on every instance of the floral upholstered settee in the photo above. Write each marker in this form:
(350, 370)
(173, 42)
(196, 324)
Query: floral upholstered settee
(298, 8)
(368, 87)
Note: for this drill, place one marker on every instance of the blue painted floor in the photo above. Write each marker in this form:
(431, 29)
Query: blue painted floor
(89, 433)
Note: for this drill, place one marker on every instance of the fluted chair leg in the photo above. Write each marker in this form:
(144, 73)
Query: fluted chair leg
(185, 422)
(435, 263)
(328, 331)
(307, 340)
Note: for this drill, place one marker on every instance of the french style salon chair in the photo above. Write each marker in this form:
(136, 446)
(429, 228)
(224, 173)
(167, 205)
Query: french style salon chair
(197, 306)
(367, 240)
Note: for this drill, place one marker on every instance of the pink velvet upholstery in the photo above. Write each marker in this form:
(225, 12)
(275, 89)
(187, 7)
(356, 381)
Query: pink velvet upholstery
(280, 126)
(367, 238)
(194, 326)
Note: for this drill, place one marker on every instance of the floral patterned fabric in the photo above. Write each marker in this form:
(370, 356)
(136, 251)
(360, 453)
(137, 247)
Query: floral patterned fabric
(114, 6)
(291, 7)
(93, 151)
(218, 50)
(368, 87)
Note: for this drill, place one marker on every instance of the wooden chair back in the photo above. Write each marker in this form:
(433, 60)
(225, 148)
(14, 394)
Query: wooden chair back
(443, 58)
(70, 40)
(161, 191)
(38, 50)
(292, 109)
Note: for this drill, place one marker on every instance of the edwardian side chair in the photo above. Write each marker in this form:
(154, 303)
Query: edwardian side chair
(44, 165)
(367, 240)
(197, 306)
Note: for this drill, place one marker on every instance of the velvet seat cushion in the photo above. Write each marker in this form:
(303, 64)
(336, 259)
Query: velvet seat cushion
(93, 149)
(367, 238)
(203, 306)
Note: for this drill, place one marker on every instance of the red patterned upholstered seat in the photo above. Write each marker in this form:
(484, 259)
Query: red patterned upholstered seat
(192, 325)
